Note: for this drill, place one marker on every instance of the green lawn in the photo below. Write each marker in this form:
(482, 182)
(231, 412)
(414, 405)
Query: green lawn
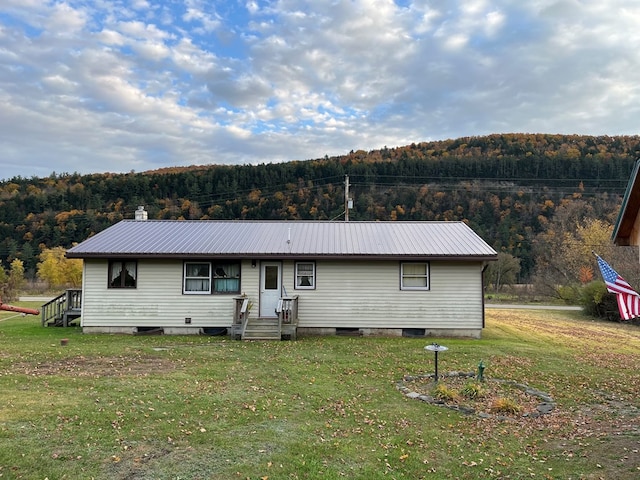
(167, 407)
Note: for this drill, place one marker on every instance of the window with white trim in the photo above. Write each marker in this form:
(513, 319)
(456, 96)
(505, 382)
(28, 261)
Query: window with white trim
(208, 277)
(197, 278)
(305, 276)
(414, 276)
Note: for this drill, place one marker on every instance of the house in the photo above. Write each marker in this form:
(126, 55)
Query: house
(274, 279)
(627, 228)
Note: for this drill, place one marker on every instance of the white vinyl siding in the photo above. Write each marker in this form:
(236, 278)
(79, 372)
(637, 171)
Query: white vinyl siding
(157, 301)
(365, 294)
(349, 294)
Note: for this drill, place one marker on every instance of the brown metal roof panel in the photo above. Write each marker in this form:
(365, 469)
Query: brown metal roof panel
(165, 237)
(409, 239)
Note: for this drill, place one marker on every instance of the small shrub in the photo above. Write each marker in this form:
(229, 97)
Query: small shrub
(473, 390)
(505, 405)
(597, 302)
(570, 294)
(445, 393)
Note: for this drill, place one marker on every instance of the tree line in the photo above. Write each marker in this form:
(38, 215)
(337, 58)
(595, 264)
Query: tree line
(508, 188)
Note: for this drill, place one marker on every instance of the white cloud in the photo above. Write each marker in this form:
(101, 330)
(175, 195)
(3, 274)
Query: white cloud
(143, 31)
(140, 4)
(149, 84)
(191, 59)
(208, 22)
(154, 51)
(65, 20)
(494, 22)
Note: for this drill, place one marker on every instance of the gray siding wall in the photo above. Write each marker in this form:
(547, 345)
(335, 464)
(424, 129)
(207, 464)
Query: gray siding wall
(156, 302)
(350, 294)
(368, 295)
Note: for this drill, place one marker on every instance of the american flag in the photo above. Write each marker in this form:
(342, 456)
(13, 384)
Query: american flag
(628, 298)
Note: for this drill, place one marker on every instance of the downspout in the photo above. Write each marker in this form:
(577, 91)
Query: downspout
(486, 264)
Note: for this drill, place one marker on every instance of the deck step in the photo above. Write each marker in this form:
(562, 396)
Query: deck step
(262, 329)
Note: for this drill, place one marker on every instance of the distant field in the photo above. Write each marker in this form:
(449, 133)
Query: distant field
(166, 407)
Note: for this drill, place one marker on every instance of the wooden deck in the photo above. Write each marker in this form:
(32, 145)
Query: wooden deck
(63, 310)
(282, 327)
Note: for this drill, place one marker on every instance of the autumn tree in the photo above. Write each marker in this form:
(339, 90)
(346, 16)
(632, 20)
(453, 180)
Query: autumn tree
(565, 251)
(11, 283)
(3, 282)
(59, 271)
(504, 271)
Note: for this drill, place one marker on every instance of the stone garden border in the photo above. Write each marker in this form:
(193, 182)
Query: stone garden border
(546, 405)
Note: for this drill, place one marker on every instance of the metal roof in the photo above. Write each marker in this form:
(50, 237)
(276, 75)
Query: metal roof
(268, 239)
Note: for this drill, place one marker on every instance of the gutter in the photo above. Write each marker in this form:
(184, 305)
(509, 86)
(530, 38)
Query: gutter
(281, 256)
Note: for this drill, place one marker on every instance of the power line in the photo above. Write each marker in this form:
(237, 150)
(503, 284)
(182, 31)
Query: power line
(464, 185)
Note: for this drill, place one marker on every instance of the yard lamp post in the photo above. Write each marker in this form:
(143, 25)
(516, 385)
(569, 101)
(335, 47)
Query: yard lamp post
(434, 347)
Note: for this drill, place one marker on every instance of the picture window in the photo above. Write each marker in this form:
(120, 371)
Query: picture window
(210, 277)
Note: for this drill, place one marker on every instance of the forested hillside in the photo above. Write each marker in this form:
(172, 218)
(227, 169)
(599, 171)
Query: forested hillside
(506, 187)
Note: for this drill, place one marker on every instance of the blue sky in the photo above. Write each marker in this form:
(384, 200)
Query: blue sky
(119, 86)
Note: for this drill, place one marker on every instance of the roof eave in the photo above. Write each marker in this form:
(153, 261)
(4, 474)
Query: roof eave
(630, 202)
(278, 256)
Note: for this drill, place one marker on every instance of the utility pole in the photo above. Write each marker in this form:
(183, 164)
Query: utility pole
(347, 200)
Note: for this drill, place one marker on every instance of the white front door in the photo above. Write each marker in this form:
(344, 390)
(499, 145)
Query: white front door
(270, 287)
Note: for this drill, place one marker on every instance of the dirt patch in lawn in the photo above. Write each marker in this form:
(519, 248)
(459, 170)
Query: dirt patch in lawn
(111, 366)
(606, 433)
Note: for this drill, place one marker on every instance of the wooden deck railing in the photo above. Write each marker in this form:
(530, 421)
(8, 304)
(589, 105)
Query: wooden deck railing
(287, 310)
(63, 309)
(240, 315)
